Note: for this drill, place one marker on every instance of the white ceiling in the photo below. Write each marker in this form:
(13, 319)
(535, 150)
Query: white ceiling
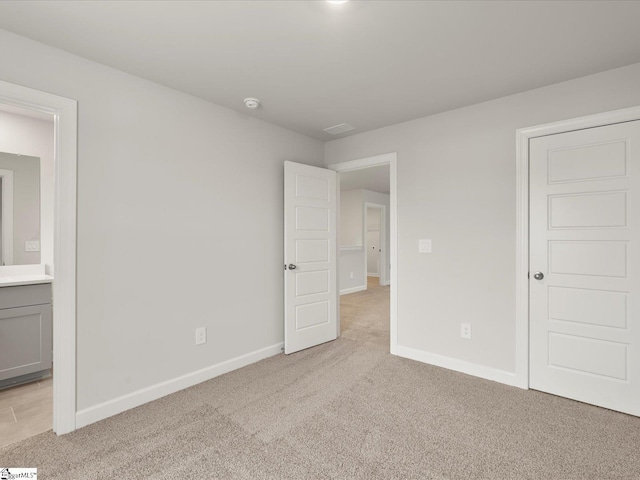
(367, 63)
(372, 178)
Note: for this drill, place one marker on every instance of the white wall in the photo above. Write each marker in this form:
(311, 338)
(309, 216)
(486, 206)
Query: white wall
(34, 137)
(351, 262)
(351, 217)
(179, 223)
(350, 235)
(457, 186)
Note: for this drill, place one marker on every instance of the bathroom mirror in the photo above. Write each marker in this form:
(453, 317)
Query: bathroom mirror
(19, 209)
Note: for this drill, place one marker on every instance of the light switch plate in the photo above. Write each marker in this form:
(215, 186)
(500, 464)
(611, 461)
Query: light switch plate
(32, 246)
(424, 245)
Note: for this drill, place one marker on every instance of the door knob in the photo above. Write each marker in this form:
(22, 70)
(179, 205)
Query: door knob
(292, 266)
(538, 275)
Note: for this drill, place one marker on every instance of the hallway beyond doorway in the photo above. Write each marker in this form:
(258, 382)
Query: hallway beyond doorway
(364, 315)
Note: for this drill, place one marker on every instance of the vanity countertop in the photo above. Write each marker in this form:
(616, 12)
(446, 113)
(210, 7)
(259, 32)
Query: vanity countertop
(11, 276)
(24, 280)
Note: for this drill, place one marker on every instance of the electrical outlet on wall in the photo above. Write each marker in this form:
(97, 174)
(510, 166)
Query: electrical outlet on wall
(201, 335)
(465, 330)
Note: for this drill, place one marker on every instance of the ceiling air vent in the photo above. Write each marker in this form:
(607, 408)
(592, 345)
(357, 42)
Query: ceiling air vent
(336, 129)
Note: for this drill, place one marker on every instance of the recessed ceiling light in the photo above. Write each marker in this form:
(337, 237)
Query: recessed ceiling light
(337, 2)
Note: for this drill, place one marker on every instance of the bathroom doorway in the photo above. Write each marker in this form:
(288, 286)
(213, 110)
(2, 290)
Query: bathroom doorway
(58, 187)
(27, 170)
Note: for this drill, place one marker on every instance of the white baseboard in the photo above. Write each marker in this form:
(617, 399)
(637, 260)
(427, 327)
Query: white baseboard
(488, 373)
(359, 288)
(377, 275)
(118, 405)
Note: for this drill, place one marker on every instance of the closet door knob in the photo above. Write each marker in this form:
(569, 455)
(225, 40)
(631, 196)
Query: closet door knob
(292, 266)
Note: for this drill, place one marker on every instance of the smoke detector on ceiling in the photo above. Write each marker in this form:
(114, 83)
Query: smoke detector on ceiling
(341, 128)
(251, 103)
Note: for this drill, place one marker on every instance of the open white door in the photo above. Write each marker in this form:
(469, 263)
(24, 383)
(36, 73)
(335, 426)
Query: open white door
(310, 295)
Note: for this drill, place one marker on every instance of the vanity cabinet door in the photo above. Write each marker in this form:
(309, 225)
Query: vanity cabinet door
(25, 340)
(25, 295)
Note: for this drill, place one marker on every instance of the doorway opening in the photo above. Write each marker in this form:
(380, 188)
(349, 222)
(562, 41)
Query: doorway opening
(26, 171)
(56, 243)
(367, 248)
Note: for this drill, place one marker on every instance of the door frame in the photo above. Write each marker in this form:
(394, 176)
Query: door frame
(523, 136)
(64, 111)
(6, 252)
(382, 274)
(390, 159)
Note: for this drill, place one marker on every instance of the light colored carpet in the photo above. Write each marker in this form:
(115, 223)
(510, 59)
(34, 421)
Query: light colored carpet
(346, 409)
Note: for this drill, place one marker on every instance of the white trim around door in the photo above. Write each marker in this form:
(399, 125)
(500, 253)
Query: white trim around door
(522, 218)
(391, 160)
(64, 111)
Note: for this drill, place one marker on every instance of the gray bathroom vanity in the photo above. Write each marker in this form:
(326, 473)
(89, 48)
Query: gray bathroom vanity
(25, 333)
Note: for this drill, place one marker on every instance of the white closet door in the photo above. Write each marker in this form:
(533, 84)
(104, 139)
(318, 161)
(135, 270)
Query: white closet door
(584, 265)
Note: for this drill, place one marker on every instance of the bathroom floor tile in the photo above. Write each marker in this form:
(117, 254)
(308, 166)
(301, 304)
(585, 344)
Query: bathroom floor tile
(11, 396)
(6, 417)
(25, 411)
(19, 431)
(46, 382)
